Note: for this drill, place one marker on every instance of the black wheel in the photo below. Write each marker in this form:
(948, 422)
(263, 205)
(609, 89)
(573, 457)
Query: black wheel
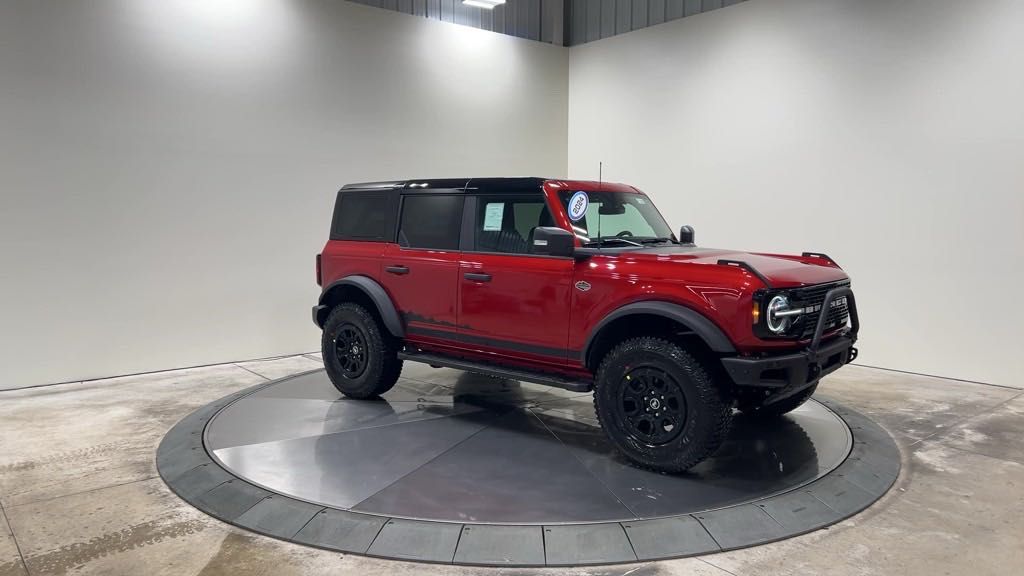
(360, 358)
(776, 409)
(659, 406)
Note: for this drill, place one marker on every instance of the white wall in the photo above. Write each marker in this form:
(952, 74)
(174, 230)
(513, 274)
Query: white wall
(889, 135)
(168, 167)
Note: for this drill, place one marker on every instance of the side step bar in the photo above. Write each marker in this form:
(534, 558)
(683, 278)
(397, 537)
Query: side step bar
(498, 371)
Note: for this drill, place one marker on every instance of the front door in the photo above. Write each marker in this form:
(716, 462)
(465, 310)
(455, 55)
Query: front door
(420, 271)
(513, 304)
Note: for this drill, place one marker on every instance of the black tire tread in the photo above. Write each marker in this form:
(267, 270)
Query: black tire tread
(385, 367)
(712, 397)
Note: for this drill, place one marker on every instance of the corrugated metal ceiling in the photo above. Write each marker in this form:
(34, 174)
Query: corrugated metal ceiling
(561, 22)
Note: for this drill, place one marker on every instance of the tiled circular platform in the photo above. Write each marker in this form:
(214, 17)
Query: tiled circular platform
(475, 470)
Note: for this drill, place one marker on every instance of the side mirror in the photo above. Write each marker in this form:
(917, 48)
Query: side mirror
(552, 241)
(686, 235)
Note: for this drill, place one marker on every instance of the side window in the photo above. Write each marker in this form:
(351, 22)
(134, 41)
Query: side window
(430, 221)
(505, 223)
(364, 216)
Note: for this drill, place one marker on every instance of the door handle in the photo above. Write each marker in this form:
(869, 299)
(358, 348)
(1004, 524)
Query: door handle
(397, 269)
(477, 276)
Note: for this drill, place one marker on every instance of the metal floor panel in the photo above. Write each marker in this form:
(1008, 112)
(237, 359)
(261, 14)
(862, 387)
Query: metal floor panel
(277, 419)
(342, 469)
(454, 467)
(513, 472)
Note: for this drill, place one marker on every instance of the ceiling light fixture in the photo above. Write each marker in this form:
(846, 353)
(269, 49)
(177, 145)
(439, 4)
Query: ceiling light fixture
(485, 4)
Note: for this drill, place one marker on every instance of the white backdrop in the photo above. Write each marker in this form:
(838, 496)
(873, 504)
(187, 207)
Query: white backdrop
(168, 168)
(889, 135)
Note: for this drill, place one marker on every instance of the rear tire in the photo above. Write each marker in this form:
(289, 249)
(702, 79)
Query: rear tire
(360, 357)
(659, 406)
(777, 409)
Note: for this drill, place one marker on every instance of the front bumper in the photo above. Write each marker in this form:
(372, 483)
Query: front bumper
(796, 371)
(787, 374)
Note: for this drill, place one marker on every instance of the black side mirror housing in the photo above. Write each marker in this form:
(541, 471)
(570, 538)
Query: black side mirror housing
(552, 241)
(686, 235)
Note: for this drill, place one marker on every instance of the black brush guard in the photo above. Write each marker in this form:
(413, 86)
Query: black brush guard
(791, 373)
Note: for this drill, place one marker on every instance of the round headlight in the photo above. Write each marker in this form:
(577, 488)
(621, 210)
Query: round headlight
(777, 324)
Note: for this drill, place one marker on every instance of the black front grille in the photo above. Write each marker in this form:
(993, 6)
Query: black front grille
(812, 297)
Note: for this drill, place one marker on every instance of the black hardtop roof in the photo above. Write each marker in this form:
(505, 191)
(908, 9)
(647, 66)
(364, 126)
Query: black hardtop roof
(450, 184)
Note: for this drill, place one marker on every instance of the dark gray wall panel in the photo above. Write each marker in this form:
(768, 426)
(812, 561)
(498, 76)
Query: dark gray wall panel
(607, 18)
(656, 12)
(578, 22)
(448, 10)
(498, 19)
(674, 9)
(624, 15)
(604, 18)
(639, 20)
(593, 30)
(541, 20)
(545, 20)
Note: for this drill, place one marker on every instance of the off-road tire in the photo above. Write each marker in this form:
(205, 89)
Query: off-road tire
(381, 366)
(708, 411)
(779, 408)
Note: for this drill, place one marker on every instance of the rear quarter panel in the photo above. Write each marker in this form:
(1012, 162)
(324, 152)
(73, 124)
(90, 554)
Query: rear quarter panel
(342, 258)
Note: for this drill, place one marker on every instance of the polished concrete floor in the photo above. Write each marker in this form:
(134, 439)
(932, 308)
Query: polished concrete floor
(80, 493)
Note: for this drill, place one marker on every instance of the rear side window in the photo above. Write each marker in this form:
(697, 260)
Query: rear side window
(365, 216)
(430, 221)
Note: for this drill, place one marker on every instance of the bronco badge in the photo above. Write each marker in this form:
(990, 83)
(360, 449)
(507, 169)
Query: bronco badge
(583, 286)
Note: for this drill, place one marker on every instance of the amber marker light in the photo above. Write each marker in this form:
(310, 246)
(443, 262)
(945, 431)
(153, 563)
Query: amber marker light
(756, 312)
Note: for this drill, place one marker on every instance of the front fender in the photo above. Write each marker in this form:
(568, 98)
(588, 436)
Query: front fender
(711, 334)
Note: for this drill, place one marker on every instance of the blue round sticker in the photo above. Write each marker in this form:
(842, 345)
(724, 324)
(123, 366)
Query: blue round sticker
(578, 206)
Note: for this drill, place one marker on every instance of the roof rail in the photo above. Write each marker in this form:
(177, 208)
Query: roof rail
(366, 185)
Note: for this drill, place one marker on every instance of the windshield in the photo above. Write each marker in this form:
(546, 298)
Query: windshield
(600, 216)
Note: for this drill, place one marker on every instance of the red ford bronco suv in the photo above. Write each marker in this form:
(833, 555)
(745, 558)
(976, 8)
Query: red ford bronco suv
(580, 285)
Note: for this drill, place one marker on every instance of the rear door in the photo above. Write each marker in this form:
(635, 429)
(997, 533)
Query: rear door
(512, 303)
(420, 270)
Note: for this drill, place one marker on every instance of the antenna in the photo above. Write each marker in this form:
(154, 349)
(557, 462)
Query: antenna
(600, 180)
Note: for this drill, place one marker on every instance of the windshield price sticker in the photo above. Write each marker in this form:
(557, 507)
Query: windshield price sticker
(578, 206)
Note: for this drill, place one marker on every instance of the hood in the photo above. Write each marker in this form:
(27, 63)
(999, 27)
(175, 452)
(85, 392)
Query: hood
(782, 271)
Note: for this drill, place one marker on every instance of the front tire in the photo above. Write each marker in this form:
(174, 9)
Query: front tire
(360, 358)
(659, 406)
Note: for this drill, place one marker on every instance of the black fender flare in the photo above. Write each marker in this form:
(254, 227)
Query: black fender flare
(376, 293)
(711, 334)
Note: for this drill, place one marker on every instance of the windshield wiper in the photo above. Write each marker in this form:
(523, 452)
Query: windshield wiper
(607, 239)
(654, 240)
